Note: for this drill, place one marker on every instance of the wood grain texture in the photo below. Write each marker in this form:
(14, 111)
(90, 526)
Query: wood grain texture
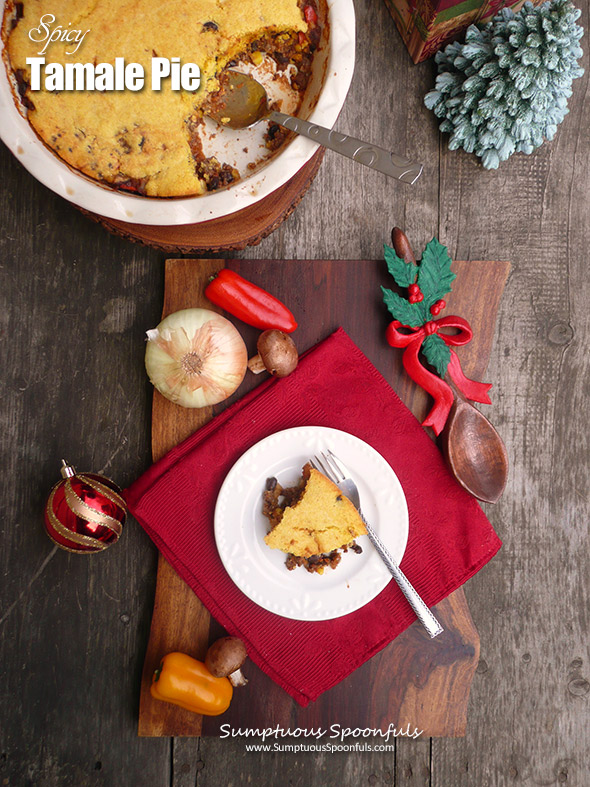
(179, 621)
(533, 678)
(414, 680)
(76, 303)
(72, 386)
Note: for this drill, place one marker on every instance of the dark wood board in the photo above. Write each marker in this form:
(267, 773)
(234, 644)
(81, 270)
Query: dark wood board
(245, 227)
(414, 680)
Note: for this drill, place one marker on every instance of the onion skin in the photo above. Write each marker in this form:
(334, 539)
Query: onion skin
(196, 357)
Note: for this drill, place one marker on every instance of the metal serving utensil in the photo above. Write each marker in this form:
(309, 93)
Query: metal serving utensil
(242, 101)
(328, 464)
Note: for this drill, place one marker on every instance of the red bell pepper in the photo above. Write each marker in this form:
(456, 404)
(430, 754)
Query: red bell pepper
(310, 15)
(249, 303)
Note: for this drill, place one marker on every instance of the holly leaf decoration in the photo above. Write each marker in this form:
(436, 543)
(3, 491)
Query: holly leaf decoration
(436, 353)
(412, 314)
(403, 272)
(435, 276)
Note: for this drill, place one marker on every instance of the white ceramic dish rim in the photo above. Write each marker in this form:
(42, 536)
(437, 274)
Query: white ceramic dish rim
(260, 573)
(46, 167)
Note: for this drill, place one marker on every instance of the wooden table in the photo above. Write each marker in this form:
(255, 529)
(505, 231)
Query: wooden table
(73, 629)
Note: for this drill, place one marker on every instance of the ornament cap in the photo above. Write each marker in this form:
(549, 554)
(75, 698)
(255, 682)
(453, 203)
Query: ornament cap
(67, 471)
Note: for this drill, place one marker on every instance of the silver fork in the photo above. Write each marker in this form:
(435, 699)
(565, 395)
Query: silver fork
(328, 464)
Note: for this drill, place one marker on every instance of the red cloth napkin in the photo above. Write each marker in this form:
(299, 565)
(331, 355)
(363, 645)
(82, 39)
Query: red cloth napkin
(334, 385)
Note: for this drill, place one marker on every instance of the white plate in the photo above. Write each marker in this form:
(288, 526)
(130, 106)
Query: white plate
(260, 572)
(333, 67)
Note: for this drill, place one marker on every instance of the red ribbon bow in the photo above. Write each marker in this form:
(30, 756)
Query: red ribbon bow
(437, 388)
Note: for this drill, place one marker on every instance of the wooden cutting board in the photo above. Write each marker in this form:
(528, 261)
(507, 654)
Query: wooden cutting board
(414, 680)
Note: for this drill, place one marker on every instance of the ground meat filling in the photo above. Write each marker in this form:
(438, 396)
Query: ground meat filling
(275, 136)
(274, 501)
(22, 86)
(134, 185)
(216, 175)
(285, 49)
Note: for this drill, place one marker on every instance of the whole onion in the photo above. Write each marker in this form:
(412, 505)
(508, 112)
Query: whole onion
(195, 357)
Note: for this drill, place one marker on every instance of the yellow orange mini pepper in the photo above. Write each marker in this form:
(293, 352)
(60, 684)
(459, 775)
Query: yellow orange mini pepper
(186, 682)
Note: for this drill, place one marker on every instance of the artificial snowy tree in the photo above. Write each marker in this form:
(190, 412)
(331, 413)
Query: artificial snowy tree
(505, 89)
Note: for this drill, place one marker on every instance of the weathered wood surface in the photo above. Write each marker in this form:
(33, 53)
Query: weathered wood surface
(73, 629)
(425, 682)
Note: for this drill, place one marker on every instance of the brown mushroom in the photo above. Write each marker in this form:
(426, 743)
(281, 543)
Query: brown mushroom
(224, 659)
(276, 353)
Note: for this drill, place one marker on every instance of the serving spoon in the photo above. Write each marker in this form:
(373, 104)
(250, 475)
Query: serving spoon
(473, 449)
(242, 101)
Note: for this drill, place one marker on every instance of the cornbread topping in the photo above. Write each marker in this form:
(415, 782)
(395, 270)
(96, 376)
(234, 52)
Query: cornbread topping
(141, 140)
(311, 521)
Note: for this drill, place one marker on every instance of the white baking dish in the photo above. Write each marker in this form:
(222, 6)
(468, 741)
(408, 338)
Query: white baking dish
(332, 73)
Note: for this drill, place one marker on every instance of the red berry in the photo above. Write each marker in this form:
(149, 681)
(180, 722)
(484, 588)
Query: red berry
(412, 299)
(437, 307)
(419, 297)
(413, 289)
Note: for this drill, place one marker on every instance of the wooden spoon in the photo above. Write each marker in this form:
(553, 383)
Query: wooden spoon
(473, 449)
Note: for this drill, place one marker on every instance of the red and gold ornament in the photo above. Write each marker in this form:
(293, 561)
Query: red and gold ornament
(84, 512)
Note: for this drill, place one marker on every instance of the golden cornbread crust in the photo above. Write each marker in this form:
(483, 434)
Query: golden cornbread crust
(317, 519)
(143, 141)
